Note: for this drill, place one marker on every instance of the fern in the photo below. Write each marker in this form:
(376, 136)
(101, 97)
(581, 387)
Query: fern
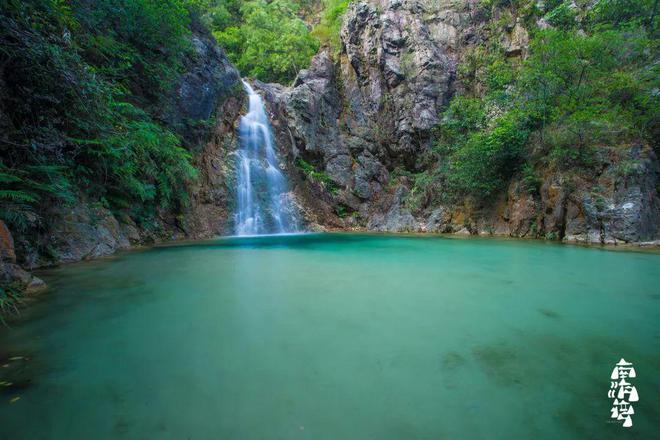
(17, 196)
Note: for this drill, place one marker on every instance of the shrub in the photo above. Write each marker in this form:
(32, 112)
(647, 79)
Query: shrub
(562, 16)
(268, 40)
(84, 80)
(318, 176)
(482, 165)
(328, 29)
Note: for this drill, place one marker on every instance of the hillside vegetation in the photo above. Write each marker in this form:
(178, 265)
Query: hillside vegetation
(81, 86)
(588, 83)
(273, 40)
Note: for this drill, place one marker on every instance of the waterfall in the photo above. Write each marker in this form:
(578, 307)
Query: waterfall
(264, 205)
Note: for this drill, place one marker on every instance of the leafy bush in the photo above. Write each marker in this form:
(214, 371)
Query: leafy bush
(268, 40)
(562, 16)
(144, 163)
(463, 116)
(624, 13)
(83, 81)
(328, 29)
(481, 166)
(529, 179)
(318, 176)
(577, 91)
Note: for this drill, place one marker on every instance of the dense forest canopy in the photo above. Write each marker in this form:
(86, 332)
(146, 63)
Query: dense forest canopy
(272, 40)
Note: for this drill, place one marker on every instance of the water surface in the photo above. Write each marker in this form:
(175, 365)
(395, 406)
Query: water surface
(339, 336)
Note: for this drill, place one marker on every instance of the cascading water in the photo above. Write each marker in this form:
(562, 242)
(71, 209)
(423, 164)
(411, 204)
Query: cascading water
(263, 203)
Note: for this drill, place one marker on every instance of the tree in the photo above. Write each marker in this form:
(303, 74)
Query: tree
(270, 42)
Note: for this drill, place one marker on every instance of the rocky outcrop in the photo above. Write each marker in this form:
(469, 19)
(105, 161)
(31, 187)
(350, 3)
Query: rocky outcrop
(400, 61)
(367, 114)
(621, 205)
(372, 111)
(211, 198)
(358, 118)
(10, 272)
(208, 79)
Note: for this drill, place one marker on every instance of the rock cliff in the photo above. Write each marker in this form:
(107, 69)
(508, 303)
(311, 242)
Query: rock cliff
(367, 113)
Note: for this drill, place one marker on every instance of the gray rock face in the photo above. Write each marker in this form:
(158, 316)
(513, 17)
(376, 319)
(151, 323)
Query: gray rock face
(370, 111)
(81, 233)
(13, 273)
(208, 79)
(625, 209)
(312, 111)
(397, 218)
(374, 109)
(401, 55)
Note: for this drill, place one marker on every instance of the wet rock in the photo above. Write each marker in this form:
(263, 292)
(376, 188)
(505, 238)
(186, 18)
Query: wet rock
(12, 273)
(207, 80)
(397, 218)
(7, 252)
(80, 232)
(439, 221)
(617, 208)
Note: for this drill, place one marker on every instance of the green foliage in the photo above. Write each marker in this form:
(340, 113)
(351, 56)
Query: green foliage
(576, 85)
(408, 67)
(83, 82)
(425, 185)
(136, 44)
(317, 176)
(529, 179)
(327, 30)
(576, 92)
(11, 296)
(499, 74)
(266, 40)
(269, 39)
(144, 163)
(562, 16)
(464, 116)
(21, 189)
(618, 13)
(482, 165)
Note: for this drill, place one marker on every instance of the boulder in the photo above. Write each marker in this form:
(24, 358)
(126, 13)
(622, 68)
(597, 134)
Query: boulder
(7, 252)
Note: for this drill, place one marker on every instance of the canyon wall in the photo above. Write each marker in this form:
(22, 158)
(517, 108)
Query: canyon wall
(364, 115)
